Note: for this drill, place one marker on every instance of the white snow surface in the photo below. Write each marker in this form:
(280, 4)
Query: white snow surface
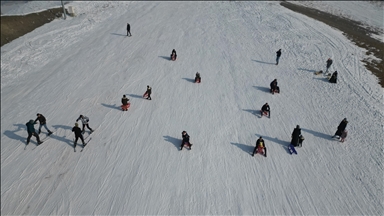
(132, 165)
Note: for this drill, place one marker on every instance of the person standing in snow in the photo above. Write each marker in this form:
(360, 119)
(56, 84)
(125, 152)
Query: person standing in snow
(278, 54)
(260, 144)
(78, 134)
(185, 140)
(329, 63)
(31, 132)
(129, 30)
(341, 128)
(84, 120)
(148, 92)
(43, 122)
(296, 136)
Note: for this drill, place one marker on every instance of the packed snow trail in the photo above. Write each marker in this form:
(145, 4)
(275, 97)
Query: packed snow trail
(84, 65)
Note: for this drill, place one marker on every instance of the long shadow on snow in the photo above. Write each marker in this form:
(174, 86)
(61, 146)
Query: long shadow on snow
(248, 149)
(283, 143)
(317, 134)
(63, 139)
(12, 134)
(303, 69)
(263, 62)
(190, 80)
(261, 88)
(111, 106)
(135, 96)
(254, 112)
(166, 57)
(174, 141)
(118, 34)
(322, 79)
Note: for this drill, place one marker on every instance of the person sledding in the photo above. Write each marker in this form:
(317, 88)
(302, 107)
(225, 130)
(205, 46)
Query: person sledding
(274, 88)
(260, 147)
(333, 78)
(265, 110)
(297, 138)
(197, 78)
(173, 55)
(341, 128)
(147, 93)
(125, 102)
(185, 141)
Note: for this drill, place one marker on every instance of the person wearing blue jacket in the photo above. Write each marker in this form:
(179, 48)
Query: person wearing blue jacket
(31, 132)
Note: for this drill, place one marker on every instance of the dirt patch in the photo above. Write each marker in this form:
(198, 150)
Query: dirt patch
(354, 31)
(13, 27)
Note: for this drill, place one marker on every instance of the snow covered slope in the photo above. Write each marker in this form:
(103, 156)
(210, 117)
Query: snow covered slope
(132, 165)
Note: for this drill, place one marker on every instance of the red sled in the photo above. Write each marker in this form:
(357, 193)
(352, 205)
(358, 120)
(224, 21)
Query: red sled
(125, 107)
(145, 94)
(262, 151)
(188, 145)
(173, 57)
(266, 113)
(197, 80)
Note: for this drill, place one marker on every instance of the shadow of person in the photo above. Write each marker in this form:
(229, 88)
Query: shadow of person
(111, 106)
(190, 80)
(283, 143)
(64, 138)
(12, 133)
(135, 96)
(261, 88)
(317, 134)
(254, 112)
(246, 148)
(165, 57)
(308, 70)
(263, 62)
(175, 141)
(118, 34)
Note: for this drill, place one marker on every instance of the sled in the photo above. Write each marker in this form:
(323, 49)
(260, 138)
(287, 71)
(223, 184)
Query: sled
(197, 80)
(264, 113)
(125, 107)
(173, 58)
(261, 150)
(145, 94)
(292, 149)
(188, 146)
(318, 72)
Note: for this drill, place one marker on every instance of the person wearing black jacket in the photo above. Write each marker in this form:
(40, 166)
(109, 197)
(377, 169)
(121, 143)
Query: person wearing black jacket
(329, 63)
(260, 144)
(296, 136)
(78, 134)
(148, 92)
(43, 122)
(341, 128)
(274, 87)
(333, 78)
(266, 108)
(31, 132)
(185, 140)
(173, 54)
(278, 54)
(125, 103)
(129, 30)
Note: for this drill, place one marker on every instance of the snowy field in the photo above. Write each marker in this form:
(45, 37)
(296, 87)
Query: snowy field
(132, 165)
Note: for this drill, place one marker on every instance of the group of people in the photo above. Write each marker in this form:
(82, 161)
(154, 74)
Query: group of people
(43, 123)
(297, 138)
